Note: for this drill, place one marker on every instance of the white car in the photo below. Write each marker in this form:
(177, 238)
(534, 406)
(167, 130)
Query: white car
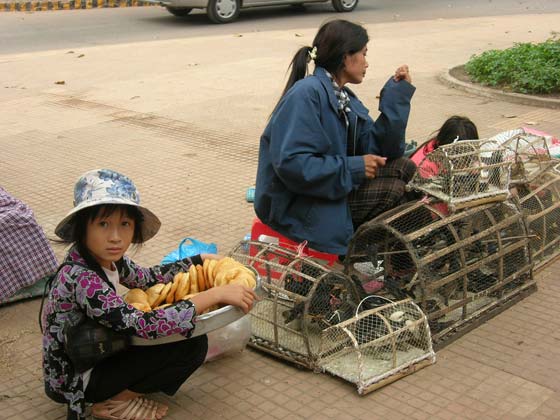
(225, 11)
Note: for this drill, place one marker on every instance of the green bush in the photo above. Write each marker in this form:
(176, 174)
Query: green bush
(523, 68)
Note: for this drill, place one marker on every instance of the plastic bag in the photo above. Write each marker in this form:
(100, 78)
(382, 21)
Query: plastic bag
(410, 148)
(232, 338)
(186, 249)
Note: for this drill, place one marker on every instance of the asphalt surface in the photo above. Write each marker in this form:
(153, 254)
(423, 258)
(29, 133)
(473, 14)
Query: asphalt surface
(38, 31)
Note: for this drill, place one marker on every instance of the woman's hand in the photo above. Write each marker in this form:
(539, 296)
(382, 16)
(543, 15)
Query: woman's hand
(372, 162)
(402, 73)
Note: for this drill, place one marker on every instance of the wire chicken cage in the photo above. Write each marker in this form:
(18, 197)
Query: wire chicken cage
(459, 268)
(530, 156)
(464, 174)
(322, 319)
(540, 203)
(528, 152)
(377, 346)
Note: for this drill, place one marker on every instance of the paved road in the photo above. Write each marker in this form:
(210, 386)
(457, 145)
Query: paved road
(26, 32)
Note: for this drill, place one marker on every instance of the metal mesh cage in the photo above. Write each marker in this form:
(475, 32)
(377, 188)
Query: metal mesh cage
(528, 152)
(540, 203)
(377, 346)
(464, 174)
(301, 300)
(455, 267)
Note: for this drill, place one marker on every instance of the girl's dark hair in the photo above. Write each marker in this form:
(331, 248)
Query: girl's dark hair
(456, 127)
(80, 222)
(333, 41)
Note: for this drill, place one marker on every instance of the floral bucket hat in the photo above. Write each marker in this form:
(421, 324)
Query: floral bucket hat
(104, 186)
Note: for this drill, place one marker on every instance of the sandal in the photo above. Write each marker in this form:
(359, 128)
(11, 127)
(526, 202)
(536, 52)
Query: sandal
(137, 409)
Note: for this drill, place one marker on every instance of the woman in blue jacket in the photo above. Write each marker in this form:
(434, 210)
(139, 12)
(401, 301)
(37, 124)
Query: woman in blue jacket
(325, 167)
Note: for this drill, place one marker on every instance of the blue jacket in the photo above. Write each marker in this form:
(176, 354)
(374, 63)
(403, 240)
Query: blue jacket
(304, 172)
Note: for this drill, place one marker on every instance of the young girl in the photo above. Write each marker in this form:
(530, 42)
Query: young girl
(325, 166)
(106, 219)
(455, 128)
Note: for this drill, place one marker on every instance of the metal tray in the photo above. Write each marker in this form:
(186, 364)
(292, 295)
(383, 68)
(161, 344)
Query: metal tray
(203, 323)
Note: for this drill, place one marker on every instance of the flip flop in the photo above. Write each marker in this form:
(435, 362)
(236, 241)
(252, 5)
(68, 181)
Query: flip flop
(136, 409)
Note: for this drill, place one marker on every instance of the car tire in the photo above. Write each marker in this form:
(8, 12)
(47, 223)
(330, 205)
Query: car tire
(223, 11)
(179, 11)
(344, 5)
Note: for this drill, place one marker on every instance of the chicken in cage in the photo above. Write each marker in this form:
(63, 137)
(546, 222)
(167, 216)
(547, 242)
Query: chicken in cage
(302, 298)
(455, 267)
(539, 201)
(464, 174)
(529, 153)
(377, 346)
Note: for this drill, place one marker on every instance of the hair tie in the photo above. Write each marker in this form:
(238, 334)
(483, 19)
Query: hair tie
(312, 54)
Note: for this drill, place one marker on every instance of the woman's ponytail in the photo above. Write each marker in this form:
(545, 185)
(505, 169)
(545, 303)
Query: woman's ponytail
(298, 66)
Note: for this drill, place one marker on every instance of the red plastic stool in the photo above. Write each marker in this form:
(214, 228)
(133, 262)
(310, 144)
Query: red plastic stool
(263, 233)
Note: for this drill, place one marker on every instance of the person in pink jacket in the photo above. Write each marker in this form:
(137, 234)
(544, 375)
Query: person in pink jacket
(453, 129)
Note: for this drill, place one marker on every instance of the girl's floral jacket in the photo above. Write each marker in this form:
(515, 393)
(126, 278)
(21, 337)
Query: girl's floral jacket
(77, 292)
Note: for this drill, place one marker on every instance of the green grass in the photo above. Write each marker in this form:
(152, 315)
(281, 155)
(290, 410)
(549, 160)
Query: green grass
(523, 68)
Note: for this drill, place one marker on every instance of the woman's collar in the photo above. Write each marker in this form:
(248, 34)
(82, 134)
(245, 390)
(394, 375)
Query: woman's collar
(356, 106)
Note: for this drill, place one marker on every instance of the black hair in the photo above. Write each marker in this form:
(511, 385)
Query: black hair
(334, 40)
(79, 223)
(456, 128)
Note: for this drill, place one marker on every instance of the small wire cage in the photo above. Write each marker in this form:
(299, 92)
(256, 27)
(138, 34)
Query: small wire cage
(301, 299)
(456, 267)
(528, 152)
(464, 174)
(378, 346)
(540, 203)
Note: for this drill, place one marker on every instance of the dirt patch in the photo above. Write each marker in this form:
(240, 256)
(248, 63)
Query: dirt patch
(14, 349)
(459, 73)
(20, 336)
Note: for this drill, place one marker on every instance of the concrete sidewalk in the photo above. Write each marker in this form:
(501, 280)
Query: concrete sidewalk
(183, 119)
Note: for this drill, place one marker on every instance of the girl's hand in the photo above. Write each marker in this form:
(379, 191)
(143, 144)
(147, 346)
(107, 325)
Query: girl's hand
(231, 294)
(402, 73)
(371, 163)
(237, 295)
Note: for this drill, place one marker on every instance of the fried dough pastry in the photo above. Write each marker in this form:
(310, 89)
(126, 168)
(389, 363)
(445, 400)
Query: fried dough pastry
(212, 273)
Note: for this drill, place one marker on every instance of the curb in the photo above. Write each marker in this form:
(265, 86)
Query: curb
(447, 79)
(38, 6)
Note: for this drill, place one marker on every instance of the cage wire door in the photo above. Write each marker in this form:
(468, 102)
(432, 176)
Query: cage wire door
(378, 346)
(464, 174)
(455, 267)
(301, 300)
(539, 201)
